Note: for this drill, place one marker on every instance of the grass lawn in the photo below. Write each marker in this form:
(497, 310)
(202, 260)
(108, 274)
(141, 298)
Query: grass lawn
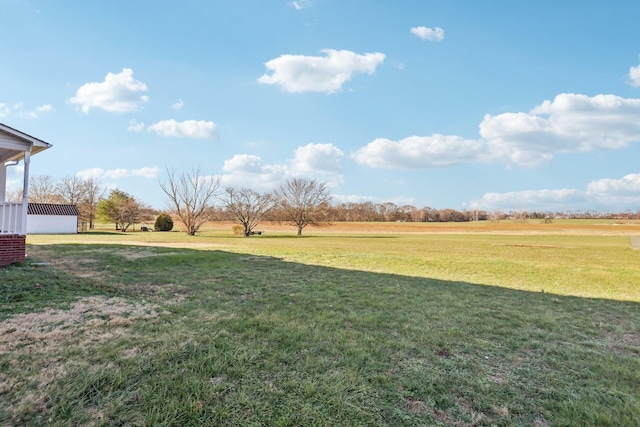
(378, 327)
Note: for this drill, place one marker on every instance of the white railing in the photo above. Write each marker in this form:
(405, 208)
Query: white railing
(11, 218)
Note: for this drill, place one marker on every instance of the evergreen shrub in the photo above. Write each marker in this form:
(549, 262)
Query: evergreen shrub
(164, 222)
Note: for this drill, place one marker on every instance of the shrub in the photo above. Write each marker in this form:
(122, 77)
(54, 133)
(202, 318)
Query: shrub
(164, 222)
(238, 230)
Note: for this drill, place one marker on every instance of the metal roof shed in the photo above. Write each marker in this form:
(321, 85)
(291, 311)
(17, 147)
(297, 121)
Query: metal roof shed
(47, 218)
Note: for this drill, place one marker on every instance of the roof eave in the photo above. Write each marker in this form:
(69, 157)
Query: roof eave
(22, 138)
(35, 142)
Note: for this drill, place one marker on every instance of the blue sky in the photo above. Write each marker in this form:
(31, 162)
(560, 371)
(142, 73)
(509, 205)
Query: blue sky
(495, 105)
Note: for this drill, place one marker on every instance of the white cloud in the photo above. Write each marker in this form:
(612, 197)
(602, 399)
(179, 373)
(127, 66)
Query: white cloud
(542, 200)
(4, 110)
(244, 164)
(95, 173)
(15, 178)
(19, 170)
(118, 93)
(301, 4)
(317, 158)
(45, 108)
(634, 76)
(605, 194)
(431, 34)
(299, 73)
(246, 170)
(629, 184)
(135, 126)
(314, 161)
(116, 173)
(416, 152)
(616, 192)
(317, 161)
(568, 124)
(148, 172)
(198, 129)
(39, 110)
(177, 105)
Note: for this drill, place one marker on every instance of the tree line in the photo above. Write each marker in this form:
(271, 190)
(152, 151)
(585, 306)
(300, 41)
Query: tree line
(88, 195)
(85, 193)
(192, 196)
(193, 199)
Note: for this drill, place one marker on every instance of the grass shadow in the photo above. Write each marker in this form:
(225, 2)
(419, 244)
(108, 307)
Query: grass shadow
(318, 236)
(108, 233)
(255, 340)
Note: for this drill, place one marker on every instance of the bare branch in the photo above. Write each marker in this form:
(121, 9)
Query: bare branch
(300, 202)
(190, 197)
(248, 207)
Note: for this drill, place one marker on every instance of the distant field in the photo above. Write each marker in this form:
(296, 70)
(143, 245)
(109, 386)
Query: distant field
(581, 226)
(571, 257)
(356, 324)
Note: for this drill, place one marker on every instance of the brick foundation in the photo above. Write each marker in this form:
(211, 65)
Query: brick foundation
(12, 249)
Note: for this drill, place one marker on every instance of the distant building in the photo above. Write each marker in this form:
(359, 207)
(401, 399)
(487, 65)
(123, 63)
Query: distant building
(47, 218)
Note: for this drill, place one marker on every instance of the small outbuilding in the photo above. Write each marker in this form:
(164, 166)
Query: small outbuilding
(47, 218)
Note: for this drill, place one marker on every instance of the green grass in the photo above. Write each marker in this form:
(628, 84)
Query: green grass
(329, 329)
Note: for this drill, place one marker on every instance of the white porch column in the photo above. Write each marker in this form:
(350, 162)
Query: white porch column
(3, 183)
(25, 191)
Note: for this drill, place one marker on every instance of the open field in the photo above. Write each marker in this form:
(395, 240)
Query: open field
(357, 324)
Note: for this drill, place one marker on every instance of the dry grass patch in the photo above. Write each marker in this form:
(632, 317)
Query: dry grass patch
(625, 343)
(346, 329)
(93, 318)
(43, 339)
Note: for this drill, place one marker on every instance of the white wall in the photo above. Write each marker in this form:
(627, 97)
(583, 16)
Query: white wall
(52, 224)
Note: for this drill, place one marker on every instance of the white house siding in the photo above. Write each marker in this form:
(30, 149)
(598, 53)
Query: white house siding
(52, 224)
(52, 219)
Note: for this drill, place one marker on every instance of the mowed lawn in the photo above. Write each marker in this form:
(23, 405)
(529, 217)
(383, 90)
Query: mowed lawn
(414, 325)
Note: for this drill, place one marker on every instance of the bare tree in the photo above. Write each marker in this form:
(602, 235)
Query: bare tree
(82, 192)
(248, 207)
(93, 192)
(519, 216)
(14, 196)
(190, 197)
(496, 216)
(70, 190)
(42, 189)
(406, 213)
(300, 202)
